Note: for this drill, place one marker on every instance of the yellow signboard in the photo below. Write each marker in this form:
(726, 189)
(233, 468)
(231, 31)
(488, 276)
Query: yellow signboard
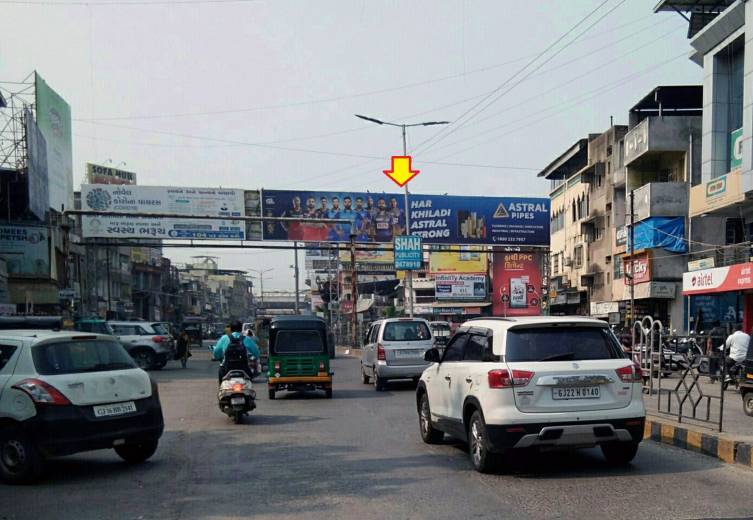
(468, 260)
(376, 256)
(716, 193)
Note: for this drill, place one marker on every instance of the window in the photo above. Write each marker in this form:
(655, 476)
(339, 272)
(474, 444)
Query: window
(406, 331)
(374, 334)
(733, 231)
(71, 357)
(298, 341)
(556, 263)
(561, 343)
(477, 348)
(574, 214)
(578, 253)
(6, 352)
(455, 348)
(618, 268)
(126, 330)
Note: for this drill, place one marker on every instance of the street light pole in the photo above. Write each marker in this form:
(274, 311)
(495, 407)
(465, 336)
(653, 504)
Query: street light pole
(260, 273)
(403, 126)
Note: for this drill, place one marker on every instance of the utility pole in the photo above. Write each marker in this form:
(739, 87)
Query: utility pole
(354, 290)
(295, 267)
(109, 298)
(632, 260)
(404, 127)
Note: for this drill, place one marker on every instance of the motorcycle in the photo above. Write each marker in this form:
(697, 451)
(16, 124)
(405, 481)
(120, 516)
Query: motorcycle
(236, 396)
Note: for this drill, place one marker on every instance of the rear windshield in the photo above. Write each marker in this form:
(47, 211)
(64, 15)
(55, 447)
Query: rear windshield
(561, 344)
(71, 357)
(406, 331)
(298, 341)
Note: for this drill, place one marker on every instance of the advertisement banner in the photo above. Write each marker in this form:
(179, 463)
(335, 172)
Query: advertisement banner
(437, 219)
(54, 120)
(460, 286)
(100, 174)
(516, 284)
(26, 250)
(409, 253)
(736, 277)
(36, 151)
(639, 267)
(469, 259)
(736, 149)
(716, 193)
(225, 203)
(369, 259)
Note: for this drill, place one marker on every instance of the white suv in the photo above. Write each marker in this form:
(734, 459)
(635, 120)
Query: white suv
(548, 382)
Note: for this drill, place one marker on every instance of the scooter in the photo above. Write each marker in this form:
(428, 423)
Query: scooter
(236, 395)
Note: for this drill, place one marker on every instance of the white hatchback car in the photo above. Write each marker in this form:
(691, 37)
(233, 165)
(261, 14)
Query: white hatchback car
(549, 382)
(67, 392)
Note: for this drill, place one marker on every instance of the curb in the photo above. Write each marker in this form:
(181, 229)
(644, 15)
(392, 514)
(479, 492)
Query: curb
(714, 445)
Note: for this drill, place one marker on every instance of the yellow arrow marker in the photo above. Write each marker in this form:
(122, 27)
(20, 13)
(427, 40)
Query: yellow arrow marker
(401, 171)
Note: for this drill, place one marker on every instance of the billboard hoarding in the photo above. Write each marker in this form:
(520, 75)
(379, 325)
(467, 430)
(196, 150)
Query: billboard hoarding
(225, 203)
(36, 151)
(26, 250)
(100, 174)
(409, 254)
(379, 217)
(460, 286)
(516, 284)
(470, 259)
(54, 120)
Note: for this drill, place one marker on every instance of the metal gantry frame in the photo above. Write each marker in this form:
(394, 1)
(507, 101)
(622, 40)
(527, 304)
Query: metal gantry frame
(18, 97)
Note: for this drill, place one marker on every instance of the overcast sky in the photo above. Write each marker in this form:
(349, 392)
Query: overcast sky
(253, 89)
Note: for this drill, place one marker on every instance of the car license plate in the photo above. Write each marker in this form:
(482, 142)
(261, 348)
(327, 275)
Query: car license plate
(107, 410)
(402, 354)
(576, 392)
(237, 400)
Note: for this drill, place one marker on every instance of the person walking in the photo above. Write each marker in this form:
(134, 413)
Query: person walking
(183, 348)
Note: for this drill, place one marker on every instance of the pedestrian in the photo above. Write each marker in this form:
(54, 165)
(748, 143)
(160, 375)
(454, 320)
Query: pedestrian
(183, 347)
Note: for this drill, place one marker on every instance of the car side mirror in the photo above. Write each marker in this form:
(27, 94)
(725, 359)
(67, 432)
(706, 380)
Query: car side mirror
(432, 355)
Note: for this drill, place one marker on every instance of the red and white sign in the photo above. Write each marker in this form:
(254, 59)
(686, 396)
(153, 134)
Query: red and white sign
(640, 266)
(736, 277)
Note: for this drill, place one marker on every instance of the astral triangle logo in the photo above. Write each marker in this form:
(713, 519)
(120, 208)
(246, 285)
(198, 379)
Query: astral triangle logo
(501, 211)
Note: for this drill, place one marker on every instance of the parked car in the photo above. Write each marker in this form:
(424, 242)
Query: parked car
(553, 382)
(148, 343)
(394, 349)
(67, 392)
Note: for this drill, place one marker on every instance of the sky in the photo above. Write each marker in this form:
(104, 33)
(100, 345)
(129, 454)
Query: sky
(261, 94)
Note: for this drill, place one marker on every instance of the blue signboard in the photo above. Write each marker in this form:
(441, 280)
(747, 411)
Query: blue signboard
(409, 254)
(379, 217)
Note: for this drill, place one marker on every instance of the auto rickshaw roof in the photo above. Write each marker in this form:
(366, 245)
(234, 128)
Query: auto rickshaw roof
(297, 322)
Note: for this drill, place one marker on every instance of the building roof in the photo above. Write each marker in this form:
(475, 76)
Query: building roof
(671, 100)
(701, 12)
(569, 162)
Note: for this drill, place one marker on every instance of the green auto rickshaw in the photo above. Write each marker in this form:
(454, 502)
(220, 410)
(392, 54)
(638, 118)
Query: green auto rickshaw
(299, 348)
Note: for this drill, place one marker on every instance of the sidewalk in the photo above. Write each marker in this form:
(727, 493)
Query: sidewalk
(733, 445)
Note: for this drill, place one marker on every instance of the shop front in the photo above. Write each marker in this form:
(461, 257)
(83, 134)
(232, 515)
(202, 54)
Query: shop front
(723, 294)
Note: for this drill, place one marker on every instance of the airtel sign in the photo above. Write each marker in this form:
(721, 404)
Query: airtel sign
(721, 279)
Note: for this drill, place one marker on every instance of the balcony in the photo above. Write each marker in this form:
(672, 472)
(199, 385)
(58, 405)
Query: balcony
(725, 255)
(660, 135)
(659, 199)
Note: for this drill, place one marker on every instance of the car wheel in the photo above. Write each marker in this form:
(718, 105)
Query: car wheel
(145, 359)
(160, 361)
(748, 403)
(429, 434)
(328, 393)
(134, 453)
(379, 383)
(619, 453)
(364, 378)
(20, 461)
(271, 395)
(478, 445)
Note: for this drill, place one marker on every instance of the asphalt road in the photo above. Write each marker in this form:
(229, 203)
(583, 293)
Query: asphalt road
(357, 456)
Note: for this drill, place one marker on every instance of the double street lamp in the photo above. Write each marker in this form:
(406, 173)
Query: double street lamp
(260, 275)
(404, 127)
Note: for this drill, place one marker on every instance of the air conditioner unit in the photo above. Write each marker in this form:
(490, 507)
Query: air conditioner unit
(567, 262)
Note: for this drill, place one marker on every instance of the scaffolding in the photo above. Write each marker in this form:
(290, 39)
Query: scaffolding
(16, 97)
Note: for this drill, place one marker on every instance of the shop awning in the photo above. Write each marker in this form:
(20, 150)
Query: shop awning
(738, 277)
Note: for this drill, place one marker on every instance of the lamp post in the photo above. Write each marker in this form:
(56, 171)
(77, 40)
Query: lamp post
(404, 127)
(260, 275)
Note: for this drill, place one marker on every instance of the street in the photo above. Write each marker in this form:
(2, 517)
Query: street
(358, 455)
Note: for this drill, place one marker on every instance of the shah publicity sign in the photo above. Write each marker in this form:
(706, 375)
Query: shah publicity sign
(409, 254)
(516, 284)
(26, 250)
(469, 259)
(54, 120)
(460, 286)
(100, 174)
(379, 217)
(225, 203)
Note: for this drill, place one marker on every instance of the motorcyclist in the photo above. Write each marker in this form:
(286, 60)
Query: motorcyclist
(218, 354)
(736, 347)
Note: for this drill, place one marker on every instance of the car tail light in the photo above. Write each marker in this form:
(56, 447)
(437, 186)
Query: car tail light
(321, 366)
(630, 374)
(277, 366)
(157, 339)
(41, 392)
(503, 378)
(380, 352)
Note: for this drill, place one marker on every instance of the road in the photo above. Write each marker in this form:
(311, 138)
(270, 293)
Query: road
(357, 456)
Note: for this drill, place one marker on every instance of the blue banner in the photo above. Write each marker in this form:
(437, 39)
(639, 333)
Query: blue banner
(665, 232)
(379, 217)
(409, 253)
